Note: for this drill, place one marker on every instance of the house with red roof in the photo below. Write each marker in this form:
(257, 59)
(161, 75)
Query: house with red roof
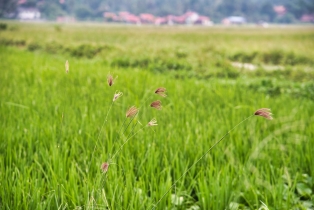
(147, 18)
(203, 20)
(161, 21)
(190, 17)
(111, 17)
(280, 10)
(307, 18)
(65, 19)
(133, 19)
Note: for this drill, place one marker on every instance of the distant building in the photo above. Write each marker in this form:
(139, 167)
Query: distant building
(176, 19)
(280, 10)
(21, 2)
(111, 17)
(65, 19)
(307, 18)
(161, 21)
(203, 20)
(127, 17)
(147, 18)
(28, 14)
(234, 20)
(190, 17)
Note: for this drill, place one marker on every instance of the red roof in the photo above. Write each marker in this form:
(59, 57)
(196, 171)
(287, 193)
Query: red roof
(307, 18)
(161, 20)
(122, 14)
(21, 2)
(147, 17)
(130, 18)
(202, 20)
(280, 9)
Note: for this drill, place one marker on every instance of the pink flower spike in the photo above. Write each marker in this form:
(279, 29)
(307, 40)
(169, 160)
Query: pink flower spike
(104, 167)
(264, 112)
(161, 91)
(117, 95)
(153, 122)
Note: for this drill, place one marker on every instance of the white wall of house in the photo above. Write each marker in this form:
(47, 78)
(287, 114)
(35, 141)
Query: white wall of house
(29, 14)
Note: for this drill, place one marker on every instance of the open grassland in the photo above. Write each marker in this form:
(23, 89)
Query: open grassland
(204, 52)
(50, 120)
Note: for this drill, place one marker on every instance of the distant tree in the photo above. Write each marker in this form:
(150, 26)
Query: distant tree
(249, 10)
(51, 10)
(29, 3)
(95, 4)
(83, 13)
(296, 8)
(7, 7)
(229, 8)
(309, 6)
(268, 11)
(252, 10)
(287, 18)
(68, 7)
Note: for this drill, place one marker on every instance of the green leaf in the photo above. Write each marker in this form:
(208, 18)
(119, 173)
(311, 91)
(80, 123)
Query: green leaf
(304, 190)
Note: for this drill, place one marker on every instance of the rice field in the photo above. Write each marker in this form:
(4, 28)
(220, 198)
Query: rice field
(67, 143)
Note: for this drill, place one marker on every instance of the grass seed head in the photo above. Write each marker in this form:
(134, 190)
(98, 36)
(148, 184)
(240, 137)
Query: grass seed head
(117, 95)
(153, 122)
(67, 66)
(156, 105)
(110, 79)
(264, 112)
(131, 112)
(104, 167)
(161, 91)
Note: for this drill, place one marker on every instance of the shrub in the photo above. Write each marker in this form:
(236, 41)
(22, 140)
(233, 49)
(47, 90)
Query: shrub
(293, 59)
(121, 62)
(53, 48)
(181, 53)
(57, 28)
(3, 26)
(155, 64)
(244, 57)
(12, 42)
(85, 50)
(34, 46)
(273, 57)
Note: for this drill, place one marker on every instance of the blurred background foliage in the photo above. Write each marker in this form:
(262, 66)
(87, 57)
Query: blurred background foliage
(253, 10)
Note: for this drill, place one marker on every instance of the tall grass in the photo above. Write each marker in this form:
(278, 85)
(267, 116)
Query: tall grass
(260, 163)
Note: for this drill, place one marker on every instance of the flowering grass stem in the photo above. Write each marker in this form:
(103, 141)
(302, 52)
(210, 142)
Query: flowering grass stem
(101, 131)
(126, 141)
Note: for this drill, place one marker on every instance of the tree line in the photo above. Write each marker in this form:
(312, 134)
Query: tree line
(252, 10)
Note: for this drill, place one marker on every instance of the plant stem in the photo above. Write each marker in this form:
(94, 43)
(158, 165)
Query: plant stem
(100, 132)
(126, 141)
(117, 138)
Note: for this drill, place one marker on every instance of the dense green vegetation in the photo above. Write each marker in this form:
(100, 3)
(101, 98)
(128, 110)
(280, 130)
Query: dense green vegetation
(51, 121)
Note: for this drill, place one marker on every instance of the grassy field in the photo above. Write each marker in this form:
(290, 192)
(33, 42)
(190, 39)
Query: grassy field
(57, 129)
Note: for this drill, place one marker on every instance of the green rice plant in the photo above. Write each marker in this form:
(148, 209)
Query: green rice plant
(246, 170)
(263, 112)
